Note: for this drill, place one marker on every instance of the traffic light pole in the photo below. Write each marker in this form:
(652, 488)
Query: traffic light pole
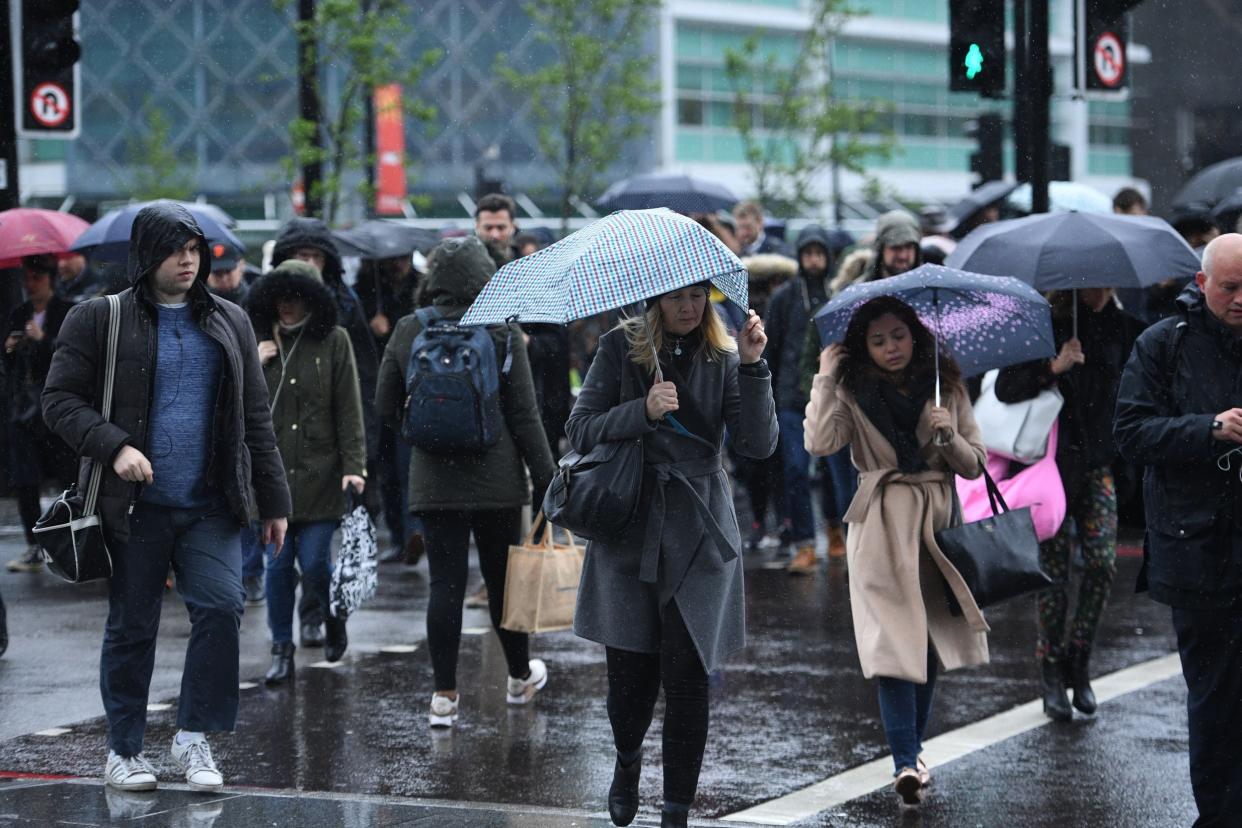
(1021, 110)
(1038, 87)
(308, 102)
(10, 193)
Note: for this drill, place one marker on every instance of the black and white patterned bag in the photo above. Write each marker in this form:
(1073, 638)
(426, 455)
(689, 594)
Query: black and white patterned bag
(357, 572)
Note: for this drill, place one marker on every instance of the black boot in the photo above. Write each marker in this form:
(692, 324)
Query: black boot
(282, 664)
(312, 635)
(1077, 678)
(336, 640)
(673, 819)
(623, 795)
(4, 628)
(1056, 702)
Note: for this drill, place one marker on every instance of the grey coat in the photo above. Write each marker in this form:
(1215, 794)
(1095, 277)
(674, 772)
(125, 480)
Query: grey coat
(685, 545)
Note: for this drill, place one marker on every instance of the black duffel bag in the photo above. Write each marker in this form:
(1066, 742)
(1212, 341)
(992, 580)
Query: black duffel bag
(596, 495)
(70, 533)
(998, 557)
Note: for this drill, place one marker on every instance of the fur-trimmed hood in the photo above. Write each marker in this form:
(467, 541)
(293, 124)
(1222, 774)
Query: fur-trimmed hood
(309, 232)
(292, 279)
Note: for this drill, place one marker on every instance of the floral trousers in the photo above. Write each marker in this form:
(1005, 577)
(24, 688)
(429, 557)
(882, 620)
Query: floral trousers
(1094, 514)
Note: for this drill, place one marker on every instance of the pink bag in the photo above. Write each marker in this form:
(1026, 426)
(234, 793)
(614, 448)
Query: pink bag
(1037, 486)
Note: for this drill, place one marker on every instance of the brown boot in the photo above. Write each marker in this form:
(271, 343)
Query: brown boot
(836, 543)
(803, 562)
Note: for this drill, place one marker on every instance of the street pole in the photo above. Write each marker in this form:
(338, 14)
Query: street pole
(308, 103)
(10, 194)
(1039, 82)
(368, 131)
(1021, 100)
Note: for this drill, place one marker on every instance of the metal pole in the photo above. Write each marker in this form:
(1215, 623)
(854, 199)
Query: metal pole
(368, 131)
(1021, 98)
(10, 193)
(308, 102)
(1040, 84)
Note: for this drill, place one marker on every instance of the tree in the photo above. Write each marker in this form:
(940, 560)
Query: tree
(158, 170)
(596, 92)
(792, 125)
(361, 40)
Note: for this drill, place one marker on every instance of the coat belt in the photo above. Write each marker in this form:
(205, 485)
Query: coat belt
(870, 483)
(680, 473)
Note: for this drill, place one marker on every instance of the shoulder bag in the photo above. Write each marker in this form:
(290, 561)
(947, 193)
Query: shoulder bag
(70, 533)
(997, 557)
(1018, 431)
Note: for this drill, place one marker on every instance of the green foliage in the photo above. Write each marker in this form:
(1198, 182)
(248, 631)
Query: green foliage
(158, 170)
(792, 125)
(362, 40)
(595, 94)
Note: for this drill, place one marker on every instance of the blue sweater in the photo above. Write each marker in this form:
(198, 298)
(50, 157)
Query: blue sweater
(187, 374)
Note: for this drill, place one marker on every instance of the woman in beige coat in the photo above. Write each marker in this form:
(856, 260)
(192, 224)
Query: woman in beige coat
(876, 393)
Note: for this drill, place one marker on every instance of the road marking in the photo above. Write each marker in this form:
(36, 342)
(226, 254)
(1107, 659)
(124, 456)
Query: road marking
(247, 685)
(399, 648)
(475, 630)
(945, 748)
(157, 707)
(53, 731)
(327, 665)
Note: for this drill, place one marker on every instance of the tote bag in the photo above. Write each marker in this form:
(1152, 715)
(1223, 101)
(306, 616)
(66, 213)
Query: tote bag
(1018, 431)
(1037, 486)
(541, 584)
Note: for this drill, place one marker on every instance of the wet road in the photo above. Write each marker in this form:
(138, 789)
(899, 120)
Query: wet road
(790, 711)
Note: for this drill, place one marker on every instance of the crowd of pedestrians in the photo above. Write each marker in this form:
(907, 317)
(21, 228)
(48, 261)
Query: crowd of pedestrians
(253, 409)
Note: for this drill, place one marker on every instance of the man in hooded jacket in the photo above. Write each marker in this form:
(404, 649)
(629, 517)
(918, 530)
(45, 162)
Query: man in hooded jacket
(788, 313)
(189, 454)
(896, 250)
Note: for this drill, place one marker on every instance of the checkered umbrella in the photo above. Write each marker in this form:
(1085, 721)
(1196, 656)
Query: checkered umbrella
(626, 257)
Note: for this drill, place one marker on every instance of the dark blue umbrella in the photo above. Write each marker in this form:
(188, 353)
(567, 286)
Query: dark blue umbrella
(108, 238)
(985, 322)
(680, 193)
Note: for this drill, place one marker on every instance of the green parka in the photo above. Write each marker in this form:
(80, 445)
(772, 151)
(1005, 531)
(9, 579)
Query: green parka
(495, 478)
(313, 387)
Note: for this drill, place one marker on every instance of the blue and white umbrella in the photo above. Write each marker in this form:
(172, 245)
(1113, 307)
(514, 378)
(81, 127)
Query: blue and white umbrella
(985, 322)
(623, 258)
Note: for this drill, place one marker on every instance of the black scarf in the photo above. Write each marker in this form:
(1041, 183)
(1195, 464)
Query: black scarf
(679, 369)
(896, 416)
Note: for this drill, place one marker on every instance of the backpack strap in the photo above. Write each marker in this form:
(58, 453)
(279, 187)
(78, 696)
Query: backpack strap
(426, 316)
(1172, 350)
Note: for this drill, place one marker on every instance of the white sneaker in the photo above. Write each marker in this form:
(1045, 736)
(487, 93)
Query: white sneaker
(194, 757)
(129, 773)
(443, 711)
(523, 690)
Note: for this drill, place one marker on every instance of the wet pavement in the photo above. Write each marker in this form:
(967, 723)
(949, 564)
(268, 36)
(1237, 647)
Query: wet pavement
(350, 744)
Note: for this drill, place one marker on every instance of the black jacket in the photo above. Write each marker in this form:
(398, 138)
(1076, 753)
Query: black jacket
(311, 232)
(244, 465)
(1085, 439)
(549, 366)
(788, 312)
(1184, 371)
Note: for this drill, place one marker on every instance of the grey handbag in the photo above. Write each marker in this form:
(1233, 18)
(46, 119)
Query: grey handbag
(70, 533)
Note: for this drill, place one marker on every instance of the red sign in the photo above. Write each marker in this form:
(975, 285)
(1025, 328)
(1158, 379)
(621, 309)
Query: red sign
(50, 104)
(390, 190)
(1110, 60)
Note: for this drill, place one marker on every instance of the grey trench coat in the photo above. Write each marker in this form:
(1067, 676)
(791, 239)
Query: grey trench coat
(685, 544)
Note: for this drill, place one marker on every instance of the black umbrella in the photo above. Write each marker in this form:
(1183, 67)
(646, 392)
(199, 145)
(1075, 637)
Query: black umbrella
(983, 196)
(680, 193)
(380, 239)
(1212, 184)
(1226, 213)
(1069, 251)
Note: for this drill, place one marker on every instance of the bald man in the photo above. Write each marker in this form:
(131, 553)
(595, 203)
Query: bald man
(1179, 414)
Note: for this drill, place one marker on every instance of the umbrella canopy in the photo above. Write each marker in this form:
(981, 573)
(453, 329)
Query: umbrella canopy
(982, 196)
(621, 259)
(380, 239)
(1226, 213)
(1065, 251)
(985, 322)
(1063, 196)
(108, 238)
(1212, 184)
(682, 193)
(28, 231)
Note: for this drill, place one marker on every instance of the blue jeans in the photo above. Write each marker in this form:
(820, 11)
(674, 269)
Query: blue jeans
(796, 463)
(310, 544)
(905, 708)
(203, 546)
(395, 487)
(839, 482)
(252, 551)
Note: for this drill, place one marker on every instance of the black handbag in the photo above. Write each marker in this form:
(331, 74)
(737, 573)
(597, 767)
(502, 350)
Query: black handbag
(70, 533)
(998, 557)
(596, 495)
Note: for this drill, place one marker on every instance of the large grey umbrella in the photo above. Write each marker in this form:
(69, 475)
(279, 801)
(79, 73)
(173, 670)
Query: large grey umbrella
(679, 193)
(1212, 184)
(380, 239)
(985, 195)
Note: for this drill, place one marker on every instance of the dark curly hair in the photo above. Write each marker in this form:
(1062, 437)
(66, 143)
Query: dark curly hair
(858, 368)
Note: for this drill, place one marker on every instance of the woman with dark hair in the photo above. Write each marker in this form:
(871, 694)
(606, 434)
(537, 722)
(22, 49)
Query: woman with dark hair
(1087, 372)
(876, 393)
(666, 599)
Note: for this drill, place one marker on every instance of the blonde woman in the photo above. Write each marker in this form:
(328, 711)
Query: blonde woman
(666, 600)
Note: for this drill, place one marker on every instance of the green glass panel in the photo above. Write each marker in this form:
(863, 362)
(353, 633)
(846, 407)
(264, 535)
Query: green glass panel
(689, 77)
(720, 114)
(727, 148)
(688, 42)
(690, 145)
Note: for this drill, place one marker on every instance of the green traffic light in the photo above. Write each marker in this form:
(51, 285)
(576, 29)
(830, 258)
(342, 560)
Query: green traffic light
(974, 61)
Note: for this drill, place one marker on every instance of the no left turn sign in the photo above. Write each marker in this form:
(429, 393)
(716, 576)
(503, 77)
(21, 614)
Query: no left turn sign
(1109, 60)
(50, 104)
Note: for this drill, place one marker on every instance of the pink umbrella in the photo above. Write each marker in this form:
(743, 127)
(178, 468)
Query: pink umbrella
(28, 231)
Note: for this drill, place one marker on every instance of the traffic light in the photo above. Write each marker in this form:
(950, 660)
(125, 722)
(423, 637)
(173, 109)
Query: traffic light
(48, 68)
(989, 162)
(977, 46)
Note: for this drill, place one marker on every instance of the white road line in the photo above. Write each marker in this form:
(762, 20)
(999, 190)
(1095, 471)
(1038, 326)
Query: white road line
(945, 748)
